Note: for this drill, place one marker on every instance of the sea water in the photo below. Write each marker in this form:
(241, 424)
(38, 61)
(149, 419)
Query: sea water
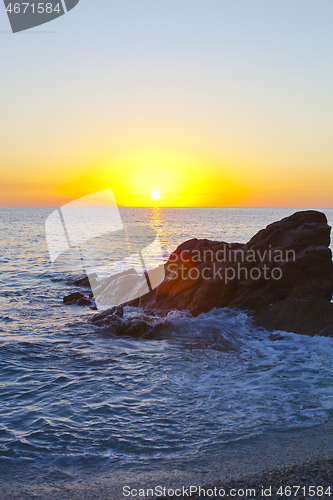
(72, 396)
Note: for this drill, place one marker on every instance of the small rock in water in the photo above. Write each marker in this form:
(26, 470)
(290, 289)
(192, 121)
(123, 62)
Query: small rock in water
(112, 320)
(276, 336)
(76, 298)
(87, 281)
(108, 314)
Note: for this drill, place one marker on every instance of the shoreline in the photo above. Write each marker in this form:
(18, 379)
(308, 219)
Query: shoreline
(301, 456)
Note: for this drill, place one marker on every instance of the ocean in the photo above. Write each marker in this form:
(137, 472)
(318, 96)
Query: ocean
(74, 398)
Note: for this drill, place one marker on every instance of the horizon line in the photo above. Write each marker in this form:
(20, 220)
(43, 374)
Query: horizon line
(169, 206)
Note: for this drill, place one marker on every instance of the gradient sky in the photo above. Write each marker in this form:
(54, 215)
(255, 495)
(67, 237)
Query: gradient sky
(213, 102)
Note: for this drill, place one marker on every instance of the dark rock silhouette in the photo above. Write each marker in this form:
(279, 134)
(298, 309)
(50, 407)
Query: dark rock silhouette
(283, 276)
(87, 282)
(77, 298)
(112, 321)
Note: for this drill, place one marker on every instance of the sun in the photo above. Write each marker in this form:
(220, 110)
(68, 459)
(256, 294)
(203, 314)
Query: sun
(155, 194)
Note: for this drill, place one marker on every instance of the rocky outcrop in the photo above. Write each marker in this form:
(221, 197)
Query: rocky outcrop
(283, 276)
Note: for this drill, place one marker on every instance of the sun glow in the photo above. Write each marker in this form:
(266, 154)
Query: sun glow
(135, 175)
(155, 194)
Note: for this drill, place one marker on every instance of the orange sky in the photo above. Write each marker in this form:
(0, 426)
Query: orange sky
(234, 109)
(183, 179)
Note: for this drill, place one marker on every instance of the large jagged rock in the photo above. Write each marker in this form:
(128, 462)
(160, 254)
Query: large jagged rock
(283, 276)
